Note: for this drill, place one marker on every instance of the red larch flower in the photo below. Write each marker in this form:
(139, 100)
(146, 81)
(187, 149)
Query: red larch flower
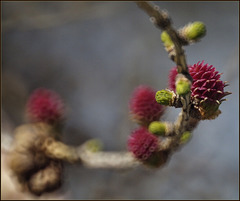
(207, 89)
(172, 78)
(143, 106)
(206, 83)
(142, 143)
(46, 106)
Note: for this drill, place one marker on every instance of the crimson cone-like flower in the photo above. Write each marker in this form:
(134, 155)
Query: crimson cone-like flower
(172, 78)
(46, 106)
(142, 143)
(207, 89)
(206, 82)
(143, 106)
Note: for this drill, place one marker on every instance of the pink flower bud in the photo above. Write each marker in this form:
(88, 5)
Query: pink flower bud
(143, 106)
(142, 143)
(46, 106)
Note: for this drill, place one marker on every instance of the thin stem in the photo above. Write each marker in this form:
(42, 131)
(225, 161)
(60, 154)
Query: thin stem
(87, 156)
(163, 22)
(111, 160)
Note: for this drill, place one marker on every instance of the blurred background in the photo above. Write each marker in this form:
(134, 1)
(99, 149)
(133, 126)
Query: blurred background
(94, 54)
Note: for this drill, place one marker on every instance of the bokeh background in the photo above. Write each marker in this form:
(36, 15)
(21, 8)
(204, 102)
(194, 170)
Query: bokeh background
(94, 54)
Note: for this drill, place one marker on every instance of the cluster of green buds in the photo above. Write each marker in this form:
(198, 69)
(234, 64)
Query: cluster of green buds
(190, 33)
(170, 98)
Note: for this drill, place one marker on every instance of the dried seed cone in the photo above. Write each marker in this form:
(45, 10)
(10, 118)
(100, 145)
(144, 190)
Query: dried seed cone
(25, 155)
(29, 162)
(47, 179)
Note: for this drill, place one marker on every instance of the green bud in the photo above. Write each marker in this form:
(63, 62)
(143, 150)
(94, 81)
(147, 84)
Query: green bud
(164, 97)
(195, 31)
(185, 137)
(166, 39)
(157, 128)
(94, 145)
(183, 87)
